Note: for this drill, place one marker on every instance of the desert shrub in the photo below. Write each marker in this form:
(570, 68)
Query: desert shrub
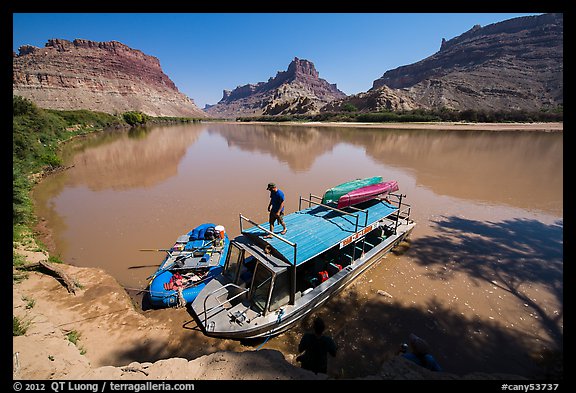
(135, 118)
(19, 326)
(349, 108)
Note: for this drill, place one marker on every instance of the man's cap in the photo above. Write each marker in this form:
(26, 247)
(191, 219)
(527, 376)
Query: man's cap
(270, 186)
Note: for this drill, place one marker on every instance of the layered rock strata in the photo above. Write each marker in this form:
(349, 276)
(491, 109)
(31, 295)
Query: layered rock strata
(298, 90)
(516, 64)
(100, 76)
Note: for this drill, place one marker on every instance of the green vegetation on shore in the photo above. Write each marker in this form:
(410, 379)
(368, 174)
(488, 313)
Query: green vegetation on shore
(37, 135)
(135, 119)
(20, 326)
(349, 114)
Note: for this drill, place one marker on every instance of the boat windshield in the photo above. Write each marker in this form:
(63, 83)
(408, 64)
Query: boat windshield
(235, 259)
(264, 280)
(260, 290)
(280, 291)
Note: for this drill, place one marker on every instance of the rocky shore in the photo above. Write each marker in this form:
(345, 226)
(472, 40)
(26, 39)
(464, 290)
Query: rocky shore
(448, 126)
(97, 333)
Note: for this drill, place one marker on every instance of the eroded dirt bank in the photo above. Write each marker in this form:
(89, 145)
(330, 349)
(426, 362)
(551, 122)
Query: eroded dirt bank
(114, 339)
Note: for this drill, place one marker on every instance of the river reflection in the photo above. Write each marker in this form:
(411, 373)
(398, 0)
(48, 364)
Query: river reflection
(521, 169)
(141, 190)
(139, 158)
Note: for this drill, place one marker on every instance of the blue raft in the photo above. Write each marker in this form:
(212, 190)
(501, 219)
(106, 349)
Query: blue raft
(195, 259)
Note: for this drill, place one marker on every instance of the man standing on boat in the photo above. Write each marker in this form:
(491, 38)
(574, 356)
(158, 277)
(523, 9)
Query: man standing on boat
(276, 208)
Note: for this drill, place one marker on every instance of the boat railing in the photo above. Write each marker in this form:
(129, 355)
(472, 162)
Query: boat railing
(293, 245)
(356, 216)
(403, 212)
(220, 303)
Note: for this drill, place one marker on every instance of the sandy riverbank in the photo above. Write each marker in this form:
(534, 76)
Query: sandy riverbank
(448, 126)
(116, 342)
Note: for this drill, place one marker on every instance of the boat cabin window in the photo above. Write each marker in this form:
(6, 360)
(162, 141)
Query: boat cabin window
(264, 280)
(234, 260)
(261, 283)
(280, 291)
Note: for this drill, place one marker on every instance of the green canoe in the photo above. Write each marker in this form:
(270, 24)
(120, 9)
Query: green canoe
(334, 193)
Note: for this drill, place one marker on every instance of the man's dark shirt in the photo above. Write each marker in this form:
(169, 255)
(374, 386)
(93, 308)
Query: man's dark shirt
(317, 349)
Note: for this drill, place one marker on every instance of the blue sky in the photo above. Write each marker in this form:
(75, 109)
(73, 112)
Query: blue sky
(205, 53)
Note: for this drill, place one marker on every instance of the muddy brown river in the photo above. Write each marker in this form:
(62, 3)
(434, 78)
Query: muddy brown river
(481, 277)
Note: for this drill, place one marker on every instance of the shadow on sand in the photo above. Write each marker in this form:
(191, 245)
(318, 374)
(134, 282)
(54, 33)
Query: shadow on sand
(511, 253)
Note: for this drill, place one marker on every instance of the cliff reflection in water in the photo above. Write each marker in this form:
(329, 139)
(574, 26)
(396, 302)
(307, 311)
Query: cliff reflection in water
(522, 169)
(139, 158)
(166, 179)
(296, 146)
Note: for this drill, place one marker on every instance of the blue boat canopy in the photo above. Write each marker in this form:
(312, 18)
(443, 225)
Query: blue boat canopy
(318, 228)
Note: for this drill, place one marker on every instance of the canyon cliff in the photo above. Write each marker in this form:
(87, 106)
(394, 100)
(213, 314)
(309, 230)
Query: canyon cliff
(516, 64)
(99, 76)
(298, 90)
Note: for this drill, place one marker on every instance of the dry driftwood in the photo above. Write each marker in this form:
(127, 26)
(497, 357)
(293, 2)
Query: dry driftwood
(68, 282)
(134, 370)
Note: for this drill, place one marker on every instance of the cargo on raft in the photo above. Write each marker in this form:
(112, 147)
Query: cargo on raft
(190, 263)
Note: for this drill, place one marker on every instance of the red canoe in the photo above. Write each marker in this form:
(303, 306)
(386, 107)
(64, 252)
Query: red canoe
(366, 193)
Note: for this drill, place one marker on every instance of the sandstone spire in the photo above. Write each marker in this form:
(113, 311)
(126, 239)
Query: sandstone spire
(297, 90)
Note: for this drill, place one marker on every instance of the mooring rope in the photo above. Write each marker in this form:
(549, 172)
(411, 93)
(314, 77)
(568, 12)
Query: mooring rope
(278, 320)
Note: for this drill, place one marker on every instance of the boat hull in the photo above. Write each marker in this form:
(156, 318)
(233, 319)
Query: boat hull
(159, 297)
(366, 193)
(279, 322)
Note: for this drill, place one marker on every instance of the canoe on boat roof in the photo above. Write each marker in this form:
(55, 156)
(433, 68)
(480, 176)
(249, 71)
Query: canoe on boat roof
(334, 193)
(366, 193)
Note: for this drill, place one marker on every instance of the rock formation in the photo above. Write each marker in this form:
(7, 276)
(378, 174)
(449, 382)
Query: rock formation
(100, 76)
(375, 100)
(516, 64)
(297, 90)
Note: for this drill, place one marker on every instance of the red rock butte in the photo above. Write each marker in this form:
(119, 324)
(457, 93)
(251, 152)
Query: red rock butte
(297, 90)
(99, 76)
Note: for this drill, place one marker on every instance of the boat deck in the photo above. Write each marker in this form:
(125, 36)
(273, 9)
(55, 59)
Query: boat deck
(316, 229)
